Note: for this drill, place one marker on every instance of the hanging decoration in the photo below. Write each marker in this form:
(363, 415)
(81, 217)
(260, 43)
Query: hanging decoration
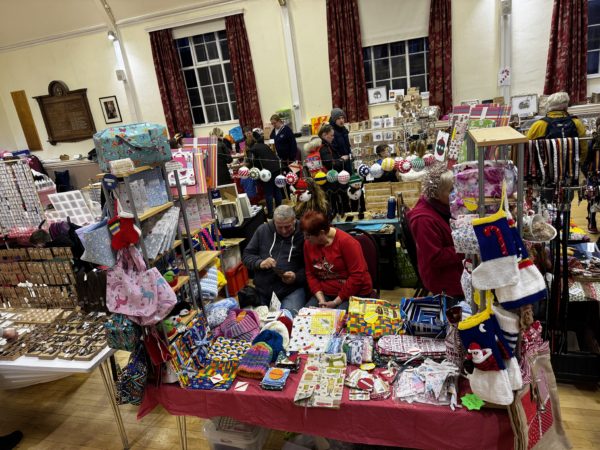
(387, 164)
(280, 181)
(343, 177)
(363, 170)
(265, 175)
(332, 176)
(243, 172)
(291, 178)
(254, 173)
(376, 171)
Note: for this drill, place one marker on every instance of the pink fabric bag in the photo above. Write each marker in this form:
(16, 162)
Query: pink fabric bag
(141, 294)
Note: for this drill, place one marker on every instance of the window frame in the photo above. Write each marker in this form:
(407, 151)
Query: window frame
(234, 117)
(595, 50)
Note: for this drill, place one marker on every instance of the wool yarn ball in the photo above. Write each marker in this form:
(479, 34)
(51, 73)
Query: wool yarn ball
(343, 177)
(363, 170)
(243, 172)
(280, 181)
(387, 164)
(429, 159)
(376, 170)
(404, 166)
(332, 176)
(418, 164)
(320, 178)
(265, 175)
(291, 178)
(254, 173)
(354, 194)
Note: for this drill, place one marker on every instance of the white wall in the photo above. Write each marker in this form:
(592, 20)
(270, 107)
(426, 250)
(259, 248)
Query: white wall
(7, 141)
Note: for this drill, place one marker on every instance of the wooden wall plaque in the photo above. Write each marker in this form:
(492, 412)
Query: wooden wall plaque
(66, 114)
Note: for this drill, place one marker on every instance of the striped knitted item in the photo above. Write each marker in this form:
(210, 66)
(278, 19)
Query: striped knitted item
(239, 324)
(255, 363)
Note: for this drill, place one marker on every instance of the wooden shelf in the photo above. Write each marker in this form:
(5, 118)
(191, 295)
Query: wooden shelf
(154, 211)
(176, 244)
(203, 259)
(129, 172)
(231, 242)
(203, 225)
(181, 281)
(486, 137)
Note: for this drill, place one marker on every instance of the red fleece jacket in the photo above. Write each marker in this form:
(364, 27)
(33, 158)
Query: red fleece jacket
(440, 267)
(338, 269)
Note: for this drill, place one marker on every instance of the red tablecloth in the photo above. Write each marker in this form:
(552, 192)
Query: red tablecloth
(372, 422)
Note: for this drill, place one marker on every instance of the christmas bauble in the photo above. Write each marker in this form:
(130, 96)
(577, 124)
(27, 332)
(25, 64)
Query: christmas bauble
(280, 181)
(387, 164)
(291, 178)
(376, 170)
(343, 177)
(404, 166)
(265, 175)
(429, 159)
(243, 172)
(332, 176)
(418, 164)
(254, 173)
(363, 170)
(320, 178)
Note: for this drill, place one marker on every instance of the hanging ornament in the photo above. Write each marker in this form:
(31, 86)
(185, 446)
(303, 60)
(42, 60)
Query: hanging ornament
(243, 172)
(363, 170)
(404, 166)
(411, 157)
(354, 194)
(387, 164)
(300, 187)
(320, 178)
(343, 177)
(265, 175)
(429, 159)
(376, 171)
(332, 176)
(291, 178)
(305, 196)
(254, 173)
(355, 181)
(418, 164)
(280, 181)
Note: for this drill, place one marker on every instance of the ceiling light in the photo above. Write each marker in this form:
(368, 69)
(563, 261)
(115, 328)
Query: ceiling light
(112, 36)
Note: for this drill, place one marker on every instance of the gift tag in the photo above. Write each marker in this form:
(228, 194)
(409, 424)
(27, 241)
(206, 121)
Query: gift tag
(275, 303)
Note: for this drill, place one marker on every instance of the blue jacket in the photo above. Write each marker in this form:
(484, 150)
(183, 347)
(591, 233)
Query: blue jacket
(341, 142)
(285, 144)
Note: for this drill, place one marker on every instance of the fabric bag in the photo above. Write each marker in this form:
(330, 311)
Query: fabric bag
(424, 316)
(463, 236)
(404, 347)
(141, 294)
(373, 317)
(144, 143)
(132, 379)
(122, 333)
(96, 240)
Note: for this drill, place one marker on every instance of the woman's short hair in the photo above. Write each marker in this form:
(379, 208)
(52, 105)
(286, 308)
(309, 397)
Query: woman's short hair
(217, 132)
(437, 179)
(325, 128)
(276, 118)
(559, 101)
(313, 222)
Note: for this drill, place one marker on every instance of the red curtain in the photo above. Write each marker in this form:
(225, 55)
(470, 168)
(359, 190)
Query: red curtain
(171, 83)
(346, 69)
(248, 107)
(566, 69)
(439, 59)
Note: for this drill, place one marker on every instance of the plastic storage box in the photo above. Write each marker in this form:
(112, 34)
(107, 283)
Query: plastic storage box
(245, 437)
(237, 278)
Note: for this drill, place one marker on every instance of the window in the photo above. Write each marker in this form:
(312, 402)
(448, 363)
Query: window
(398, 65)
(593, 56)
(208, 79)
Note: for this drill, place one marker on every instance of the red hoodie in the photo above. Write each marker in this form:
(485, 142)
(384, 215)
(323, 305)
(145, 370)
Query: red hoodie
(338, 269)
(440, 267)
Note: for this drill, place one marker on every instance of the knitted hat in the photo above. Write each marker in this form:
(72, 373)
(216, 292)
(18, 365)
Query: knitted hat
(336, 113)
(255, 363)
(276, 327)
(240, 324)
(274, 339)
(287, 313)
(287, 321)
(530, 287)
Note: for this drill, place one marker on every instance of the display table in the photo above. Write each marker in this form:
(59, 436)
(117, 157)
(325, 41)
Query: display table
(26, 371)
(372, 422)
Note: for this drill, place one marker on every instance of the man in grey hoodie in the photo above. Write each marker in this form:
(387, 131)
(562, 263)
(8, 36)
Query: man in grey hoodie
(275, 255)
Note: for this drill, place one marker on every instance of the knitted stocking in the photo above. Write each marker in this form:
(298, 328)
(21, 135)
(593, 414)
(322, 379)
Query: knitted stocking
(124, 232)
(509, 327)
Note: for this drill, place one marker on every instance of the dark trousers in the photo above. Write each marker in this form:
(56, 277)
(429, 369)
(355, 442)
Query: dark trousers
(271, 191)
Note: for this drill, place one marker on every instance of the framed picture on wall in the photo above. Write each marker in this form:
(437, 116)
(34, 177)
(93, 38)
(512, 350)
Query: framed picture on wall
(524, 105)
(377, 95)
(110, 109)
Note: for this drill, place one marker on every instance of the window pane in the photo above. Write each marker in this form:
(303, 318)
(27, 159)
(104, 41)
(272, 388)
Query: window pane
(382, 69)
(231, 92)
(592, 62)
(204, 76)
(368, 71)
(198, 39)
(416, 45)
(220, 93)
(397, 48)
(198, 116)
(211, 113)
(224, 113)
(224, 50)
(186, 57)
(217, 74)
(222, 34)
(399, 83)
(420, 82)
(398, 66)
(211, 49)
(594, 38)
(367, 53)
(183, 42)
(593, 12)
(209, 37)
(369, 84)
(234, 109)
(190, 78)
(194, 96)
(417, 64)
(200, 52)
(208, 95)
(380, 51)
(228, 72)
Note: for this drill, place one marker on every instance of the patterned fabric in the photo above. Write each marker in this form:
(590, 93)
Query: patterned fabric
(566, 69)
(439, 60)
(246, 95)
(373, 317)
(346, 59)
(405, 347)
(224, 349)
(170, 83)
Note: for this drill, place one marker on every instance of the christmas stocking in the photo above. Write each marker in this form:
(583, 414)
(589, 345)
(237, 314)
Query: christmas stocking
(509, 328)
(124, 232)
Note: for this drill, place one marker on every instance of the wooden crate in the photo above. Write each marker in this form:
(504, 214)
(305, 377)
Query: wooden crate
(411, 191)
(378, 194)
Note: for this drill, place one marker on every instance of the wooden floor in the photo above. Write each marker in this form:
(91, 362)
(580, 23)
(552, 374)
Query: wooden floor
(73, 413)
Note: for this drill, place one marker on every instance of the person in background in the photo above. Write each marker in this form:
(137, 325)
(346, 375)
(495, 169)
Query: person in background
(11, 440)
(223, 158)
(275, 255)
(383, 151)
(176, 141)
(285, 141)
(261, 156)
(558, 123)
(314, 199)
(334, 262)
(440, 267)
(332, 160)
(340, 139)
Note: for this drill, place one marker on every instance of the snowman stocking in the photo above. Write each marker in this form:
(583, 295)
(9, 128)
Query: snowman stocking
(509, 328)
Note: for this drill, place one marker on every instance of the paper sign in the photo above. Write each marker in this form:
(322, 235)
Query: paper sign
(241, 386)
(216, 379)
(275, 303)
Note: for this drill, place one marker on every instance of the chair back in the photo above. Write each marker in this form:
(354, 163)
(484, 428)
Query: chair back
(407, 239)
(371, 254)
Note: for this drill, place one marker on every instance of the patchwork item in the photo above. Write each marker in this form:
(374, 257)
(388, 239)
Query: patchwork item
(373, 317)
(189, 350)
(121, 333)
(404, 347)
(424, 316)
(433, 383)
(322, 382)
(131, 382)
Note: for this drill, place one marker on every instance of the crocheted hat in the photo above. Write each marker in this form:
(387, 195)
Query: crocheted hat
(287, 321)
(276, 327)
(255, 363)
(274, 339)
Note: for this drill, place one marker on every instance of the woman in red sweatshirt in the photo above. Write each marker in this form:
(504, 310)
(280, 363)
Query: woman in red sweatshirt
(335, 265)
(440, 267)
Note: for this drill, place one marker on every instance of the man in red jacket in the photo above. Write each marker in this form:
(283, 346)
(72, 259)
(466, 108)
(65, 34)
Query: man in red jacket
(440, 267)
(335, 265)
